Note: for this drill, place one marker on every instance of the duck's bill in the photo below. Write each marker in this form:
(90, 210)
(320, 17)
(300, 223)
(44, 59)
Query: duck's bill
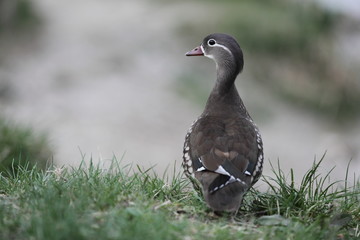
(195, 52)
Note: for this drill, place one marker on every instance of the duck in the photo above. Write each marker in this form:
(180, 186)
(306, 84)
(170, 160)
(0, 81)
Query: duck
(223, 148)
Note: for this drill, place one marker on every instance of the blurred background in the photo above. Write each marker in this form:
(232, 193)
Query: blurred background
(96, 79)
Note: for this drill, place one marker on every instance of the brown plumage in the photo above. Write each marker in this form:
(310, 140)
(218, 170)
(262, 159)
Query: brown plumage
(223, 148)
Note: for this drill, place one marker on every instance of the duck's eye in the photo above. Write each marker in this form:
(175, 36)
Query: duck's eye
(211, 42)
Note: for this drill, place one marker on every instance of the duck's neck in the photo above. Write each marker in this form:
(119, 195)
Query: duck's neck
(226, 74)
(224, 97)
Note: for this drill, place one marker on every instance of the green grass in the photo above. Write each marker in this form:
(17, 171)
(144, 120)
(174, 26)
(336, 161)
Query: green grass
(20, 146)
(121, 203)
(19, 15)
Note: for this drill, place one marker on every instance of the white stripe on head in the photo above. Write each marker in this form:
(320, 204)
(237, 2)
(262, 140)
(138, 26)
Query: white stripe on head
(222, 46)
(205, 54)
(215, 45)
(202, 49)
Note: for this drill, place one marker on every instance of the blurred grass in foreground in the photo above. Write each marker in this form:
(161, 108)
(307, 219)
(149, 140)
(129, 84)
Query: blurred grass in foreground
(91, 203)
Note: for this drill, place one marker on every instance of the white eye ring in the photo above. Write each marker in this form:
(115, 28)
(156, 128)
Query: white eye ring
(211, 42)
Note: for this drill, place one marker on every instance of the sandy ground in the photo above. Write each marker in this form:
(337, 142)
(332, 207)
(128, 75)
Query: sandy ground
(100, 80)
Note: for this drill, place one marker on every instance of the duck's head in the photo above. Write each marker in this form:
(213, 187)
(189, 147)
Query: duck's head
(223, 49)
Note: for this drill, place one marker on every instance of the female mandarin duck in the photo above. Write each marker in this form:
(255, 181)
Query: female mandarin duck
(223, 148)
